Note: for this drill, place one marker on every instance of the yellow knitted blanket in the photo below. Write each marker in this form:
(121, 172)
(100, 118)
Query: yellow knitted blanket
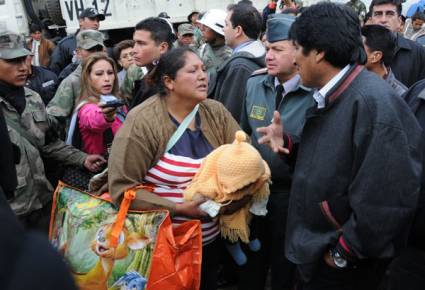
(227, 174)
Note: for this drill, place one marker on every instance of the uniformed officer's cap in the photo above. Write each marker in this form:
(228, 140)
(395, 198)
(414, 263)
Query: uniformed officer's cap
(92, 13)
(87, 39)
(12, 46)
(278, 26)
(185, 29)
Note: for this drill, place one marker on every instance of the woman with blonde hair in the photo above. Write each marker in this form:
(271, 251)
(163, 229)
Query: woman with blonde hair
(100, 111)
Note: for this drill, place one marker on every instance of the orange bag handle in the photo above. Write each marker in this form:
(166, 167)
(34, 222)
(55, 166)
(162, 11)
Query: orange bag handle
(129, 196)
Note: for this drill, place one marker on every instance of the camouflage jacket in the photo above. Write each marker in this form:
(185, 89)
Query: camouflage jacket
(213, 57)
(33, 190)
(62, 104)
(134, 73)
(359, 7)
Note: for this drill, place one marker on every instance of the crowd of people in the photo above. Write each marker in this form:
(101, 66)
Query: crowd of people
(331, 96)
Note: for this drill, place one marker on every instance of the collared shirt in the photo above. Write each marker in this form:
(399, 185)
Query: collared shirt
(320, 95)
(288, 86)
(242, 45)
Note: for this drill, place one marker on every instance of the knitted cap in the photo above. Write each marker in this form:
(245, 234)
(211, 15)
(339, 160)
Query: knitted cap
(239, 164)
(228, 169)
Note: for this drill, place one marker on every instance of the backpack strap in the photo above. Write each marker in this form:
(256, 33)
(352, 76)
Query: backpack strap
(73, 124)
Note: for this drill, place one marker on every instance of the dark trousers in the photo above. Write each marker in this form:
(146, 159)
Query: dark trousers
(407, 271)
(209, 268)
(366, 276)
(253, 275)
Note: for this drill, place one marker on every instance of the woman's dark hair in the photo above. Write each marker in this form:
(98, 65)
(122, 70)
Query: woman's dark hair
(379, 38)
(333, 29)
(247, 17)
(168, 65)
(189, 17)
(159, 28)
(116, 51)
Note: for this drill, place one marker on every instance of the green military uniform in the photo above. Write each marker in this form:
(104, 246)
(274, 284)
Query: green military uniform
(62, 104)
(134, 73)
(214, 56)
(359, 7)
(28, 132)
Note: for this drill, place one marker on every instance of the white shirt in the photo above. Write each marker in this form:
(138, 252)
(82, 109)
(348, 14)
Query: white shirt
(34, 50)
(320, 95)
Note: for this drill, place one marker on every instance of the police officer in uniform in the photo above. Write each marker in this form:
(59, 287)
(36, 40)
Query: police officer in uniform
(276, 88)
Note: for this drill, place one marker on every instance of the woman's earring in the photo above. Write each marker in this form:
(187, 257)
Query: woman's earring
(155, 62)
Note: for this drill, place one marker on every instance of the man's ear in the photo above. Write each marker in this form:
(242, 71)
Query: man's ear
(239, 31)
(377, 56)
(163, 47)
(319, 56)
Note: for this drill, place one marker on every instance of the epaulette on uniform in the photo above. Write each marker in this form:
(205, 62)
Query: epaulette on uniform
(258, 72)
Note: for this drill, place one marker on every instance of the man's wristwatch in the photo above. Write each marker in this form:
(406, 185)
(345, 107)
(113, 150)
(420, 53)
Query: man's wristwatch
(339, 261)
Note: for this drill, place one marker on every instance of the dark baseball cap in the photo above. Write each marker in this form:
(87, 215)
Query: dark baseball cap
(92, 13)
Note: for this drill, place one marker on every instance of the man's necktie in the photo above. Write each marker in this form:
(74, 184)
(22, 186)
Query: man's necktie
(279, 95)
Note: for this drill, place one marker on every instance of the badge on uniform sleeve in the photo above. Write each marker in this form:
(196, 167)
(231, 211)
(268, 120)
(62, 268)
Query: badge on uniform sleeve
(258, 113)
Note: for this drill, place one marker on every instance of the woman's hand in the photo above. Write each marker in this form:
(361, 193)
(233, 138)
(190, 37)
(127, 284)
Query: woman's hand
(191, 209)
(235, 205)
(109, 113)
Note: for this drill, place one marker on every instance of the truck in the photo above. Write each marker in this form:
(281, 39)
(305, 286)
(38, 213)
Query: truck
(60, 17)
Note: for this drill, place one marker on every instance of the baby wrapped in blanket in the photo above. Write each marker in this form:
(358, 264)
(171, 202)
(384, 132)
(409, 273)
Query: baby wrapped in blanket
(228, 174)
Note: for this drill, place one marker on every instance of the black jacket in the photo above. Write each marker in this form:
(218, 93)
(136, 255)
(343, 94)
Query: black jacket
(415, 98)
(63, 53)
(408, 64)
(357, 176)
(44, 82)
(142, 91)
(228, 84)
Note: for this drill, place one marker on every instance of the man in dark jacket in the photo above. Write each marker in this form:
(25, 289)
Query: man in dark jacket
(408, 63)
(41, 80)
(64, 52)
(241, 30)
(407, 271)
(359, 162)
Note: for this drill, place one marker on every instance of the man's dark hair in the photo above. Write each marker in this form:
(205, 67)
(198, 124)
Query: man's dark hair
(379, 38)
(248, 2)
(333, 29)
(34, 27)
(121, 46)
(418, 15)
(247, 17)
(159, 28)
(396, 3)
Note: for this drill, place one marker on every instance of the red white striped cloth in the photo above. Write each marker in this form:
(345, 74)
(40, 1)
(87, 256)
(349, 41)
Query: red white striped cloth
(169, 177)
